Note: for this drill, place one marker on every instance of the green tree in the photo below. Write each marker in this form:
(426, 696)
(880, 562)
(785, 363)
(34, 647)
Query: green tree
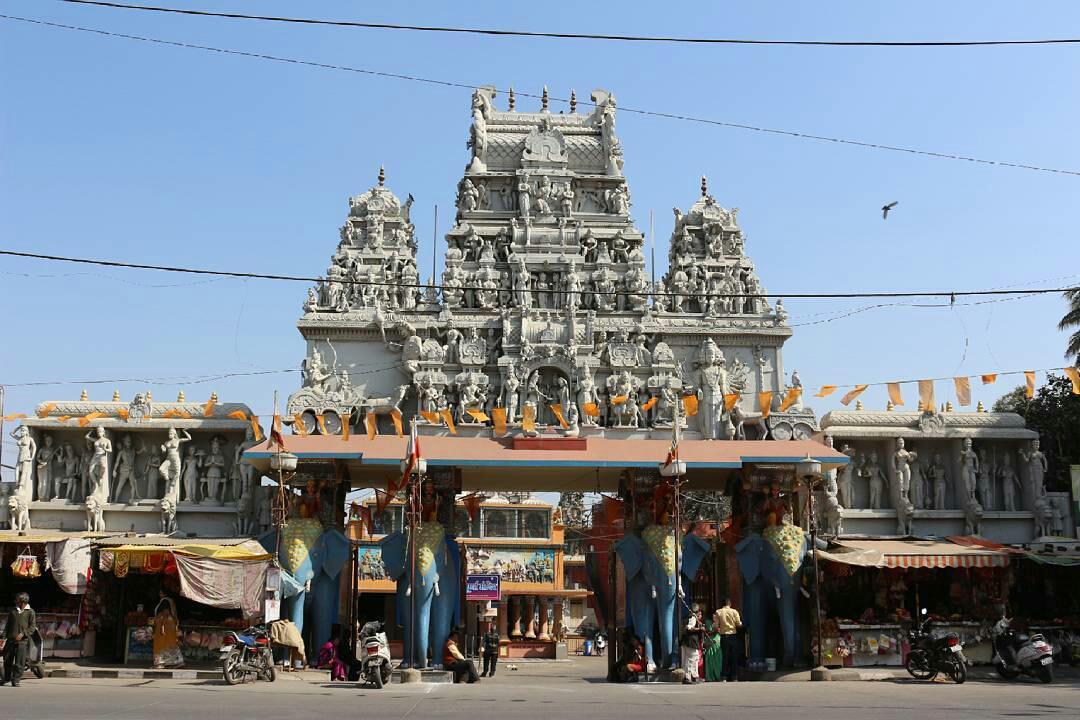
(1054, 413)
(1071, 321)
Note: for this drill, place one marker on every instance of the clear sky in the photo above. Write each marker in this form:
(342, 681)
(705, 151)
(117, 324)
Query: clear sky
(119, 149)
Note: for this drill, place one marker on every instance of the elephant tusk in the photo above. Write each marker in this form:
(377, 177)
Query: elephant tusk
(436, 588)
(408, 591)
(654, 591)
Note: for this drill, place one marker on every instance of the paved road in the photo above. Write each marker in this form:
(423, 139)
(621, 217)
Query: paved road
(549, 692)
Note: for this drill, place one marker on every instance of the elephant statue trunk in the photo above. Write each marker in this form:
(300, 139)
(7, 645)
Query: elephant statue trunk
(770, 565)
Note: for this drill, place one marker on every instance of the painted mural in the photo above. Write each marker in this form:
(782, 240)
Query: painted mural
(526, 565)
(371, 565)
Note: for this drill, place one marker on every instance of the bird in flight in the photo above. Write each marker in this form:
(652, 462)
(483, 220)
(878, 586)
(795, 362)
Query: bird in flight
(886, 208)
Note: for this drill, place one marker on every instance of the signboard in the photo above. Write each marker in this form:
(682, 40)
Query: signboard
(482, 587)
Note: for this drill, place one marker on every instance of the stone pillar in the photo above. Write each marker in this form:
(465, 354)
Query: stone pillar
(556, 623)
(530, 611)
(502, 608)
(515, 618)
(544, 616)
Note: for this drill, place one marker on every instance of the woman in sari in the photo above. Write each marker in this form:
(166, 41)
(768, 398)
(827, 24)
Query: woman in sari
(166, 634)
(714, 655)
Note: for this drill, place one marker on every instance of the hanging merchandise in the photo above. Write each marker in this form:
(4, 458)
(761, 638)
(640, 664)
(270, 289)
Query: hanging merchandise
(26, 565)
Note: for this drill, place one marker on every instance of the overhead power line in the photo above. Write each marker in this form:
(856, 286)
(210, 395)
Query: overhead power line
(573, 36)
(471, 86)
(951, 294)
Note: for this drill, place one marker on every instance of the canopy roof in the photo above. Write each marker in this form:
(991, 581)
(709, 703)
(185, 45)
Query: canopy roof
(912, 553)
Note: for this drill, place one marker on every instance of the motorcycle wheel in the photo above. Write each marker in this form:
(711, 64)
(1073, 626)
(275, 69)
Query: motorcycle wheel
(268, 672)
(918, 665)
(230, 668)
(1005, 672)
(958, 671)
(1046, 673)
(377, 679)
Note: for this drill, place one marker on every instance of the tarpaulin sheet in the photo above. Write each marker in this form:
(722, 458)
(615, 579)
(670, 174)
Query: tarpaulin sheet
(69, 561)
(247, 550)
(223, 583)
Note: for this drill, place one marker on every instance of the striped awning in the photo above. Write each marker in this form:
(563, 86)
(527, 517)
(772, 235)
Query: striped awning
(918, 554)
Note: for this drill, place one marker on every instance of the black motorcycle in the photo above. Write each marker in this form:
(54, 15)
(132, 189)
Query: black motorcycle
(247, 653)
(930, 655)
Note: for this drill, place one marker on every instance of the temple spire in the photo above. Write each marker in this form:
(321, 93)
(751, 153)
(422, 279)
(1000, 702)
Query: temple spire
(382, 176)
(704, 187)
(573, 102)
(510, 108)
(544, 100)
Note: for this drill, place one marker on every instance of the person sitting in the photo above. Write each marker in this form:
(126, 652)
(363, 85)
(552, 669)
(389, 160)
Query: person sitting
(330, 656)
(453, 660)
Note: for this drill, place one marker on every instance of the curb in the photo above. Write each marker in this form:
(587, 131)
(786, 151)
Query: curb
(135, 674)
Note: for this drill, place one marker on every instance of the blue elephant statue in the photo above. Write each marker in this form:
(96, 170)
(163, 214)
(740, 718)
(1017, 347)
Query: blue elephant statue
(770, 565)
(652, 585)
(314, 557)
(435, 591)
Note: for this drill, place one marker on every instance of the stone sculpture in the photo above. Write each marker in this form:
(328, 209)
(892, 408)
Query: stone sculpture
(973, 513)
(939, 482)
(876, 480)
(47, 454)
(124, 469)
(67, 484)
(1037, 466)
(712, 386)
(969, 469)
(192, 473)
(902, 462)
(905, 512)
(847, 478)
(1010, 483)
(24, 463)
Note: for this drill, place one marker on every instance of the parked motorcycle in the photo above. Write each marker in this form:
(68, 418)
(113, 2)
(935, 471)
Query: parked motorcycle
(1018, 654)
(375, 665)
(931, 655)
(247, 653)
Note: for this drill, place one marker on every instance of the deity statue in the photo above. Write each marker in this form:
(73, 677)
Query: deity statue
(666, 404)
(586, 395)
(453, 342)
(522, 289)
(566, 200)
(471, 398)
(712, 384)
(481, 111)
(245, 471)
(847, 478)
(1010, 482)
(781, 314)
(622, 398)
(24, 463)
(44, 462)
(534, 396)
(936, 475)
(832, 510)
(99, 466)
(1037, 466)
(973, 513)
(468, 196)
(192, 467)
(509, 399)
(618, 200)
(524, 190)
(985, 484)
(170, 468)
(875, 478)
(902, 461)
(588, 244)
(430, 396)
(573, 289)
(69, 477)
(215, 473)
(969, 469)
(562, 396)
(124, 469)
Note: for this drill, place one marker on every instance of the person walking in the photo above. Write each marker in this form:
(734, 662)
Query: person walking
(458, 663)
(727, 622)
(714, 652)
(691, 646)
(21, 626)
(490, 647)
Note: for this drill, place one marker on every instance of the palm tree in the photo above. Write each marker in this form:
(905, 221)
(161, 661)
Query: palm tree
(1072, 320)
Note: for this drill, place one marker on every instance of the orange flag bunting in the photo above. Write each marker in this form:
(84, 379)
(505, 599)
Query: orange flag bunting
(789, 399)
(63, 418)
(1074, 377)
(276, 425)
(926, 394)
(185, 414)
(45, 409)
(14, 416)
(557, 410)
(730, 401)
(298, 425)
(171, 413)
(989, 379)
(449, 420)
(431, 417)
(1029, 378)
(320, 420)
(366, 520)
(826, 390)
(238, 415)
(613, 508)
(852, 394)
(690, 405)
(346, 426)
(382, 499)
(649, 405)
(395, 415)
(478, 415)
(372, 424)
(765, 400)
(255, 429)
(619, 399)
(894, 394)
(208, 408)
(90, 417)
(963, 390)
(591, 409)
(528, 419)
(122, 413)
(498, 416)
(472, 505)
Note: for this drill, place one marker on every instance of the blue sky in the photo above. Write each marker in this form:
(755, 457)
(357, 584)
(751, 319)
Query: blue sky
(119, 149)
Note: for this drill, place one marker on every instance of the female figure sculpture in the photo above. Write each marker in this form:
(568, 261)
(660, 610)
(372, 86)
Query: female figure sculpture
(902, 460)
(847, 478)
(877, 480)
(47, 454)
(969, 469)
(192, 463)
(935, 473)
(587, 395)
(1036, 463)
(510, 394)
(99, 464)
(244, 471)
(24, 464)
(215, 471)
(1010, 483)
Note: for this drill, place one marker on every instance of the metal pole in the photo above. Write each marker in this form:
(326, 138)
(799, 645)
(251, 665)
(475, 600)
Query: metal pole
(677, 480)
(2, 391)
(817, 576)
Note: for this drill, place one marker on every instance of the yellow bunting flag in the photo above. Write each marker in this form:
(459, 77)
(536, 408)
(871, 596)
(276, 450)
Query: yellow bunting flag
(1029, 379)
(926, 394)
(45, 409)
(320, 420)
(431, 417)
(238, 415)
(963, 390)
(765, 400)
(989, 379)
(690, 405)
(591, 409)
(619, 399)
(448, 418)
(298, 425)
(372, 424)
(1074, 377)
(478, 415)
(122, 413)
(395, 415)
(730, 401)
(276, 425)
(894, 394)
(528, 419)
(649, 405)
(255, 429)
(89, 418)
(14, 416)
(498, 416)
(208, 408)
(826, 390)
(557, 410)
(63, 418)
(852, 394)
(789, 399)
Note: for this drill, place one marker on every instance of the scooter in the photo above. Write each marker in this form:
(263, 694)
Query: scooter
(375, 662)
(931, 655)
(247, 653)
(1017, 654)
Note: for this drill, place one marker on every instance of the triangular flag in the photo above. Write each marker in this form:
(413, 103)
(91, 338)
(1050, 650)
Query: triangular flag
(372, 424)
(238, 415)
(826, 390)
(557, 410)
(90, 417)
(208, 408)
(255, 429)
(346, 423)
(14, 416)
(789, 399)
(894, 394)
(298, 425)
(619, 399)
(1074, 377)
(649, 405)
(989, 379)
(45, 409)
(765, 401)
(1029, 378)
(591, 409)
(690, 404)
(528, 418)
(498, 416)
(123, 413)
(365, 519)
(63, 418)
(276, 438)
(963, 390)
(382, 499)
(478, 415)
(613, 508)
(320, 420)
(730, 401)
(926, 394)
(448, 418)
(431, 417)
(395, 415)
(472, 505)
(412, 457)
(852, 394)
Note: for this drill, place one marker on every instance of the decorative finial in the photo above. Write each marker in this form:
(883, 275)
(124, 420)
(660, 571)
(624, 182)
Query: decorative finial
(544, 100)
(980, 407)
(889, 407)
(116, 396)
(149, 396)
(704, 187)
(382, 176)
(510, 107)
(573, 102)
(948, 406)
(84, 396)
(922, 406)
(942, 407)
(180, 397)
(213, 396)
(858, 405)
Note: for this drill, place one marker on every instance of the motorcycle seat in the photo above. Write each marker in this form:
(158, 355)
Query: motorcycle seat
(248, 640)
(1020, 639)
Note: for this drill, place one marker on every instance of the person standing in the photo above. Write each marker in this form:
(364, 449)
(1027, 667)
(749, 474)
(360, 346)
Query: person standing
(166, 634)
(21, 626)
(458, 663)
(714, 652)
(727, 622)
(691, 646)
(490, 644)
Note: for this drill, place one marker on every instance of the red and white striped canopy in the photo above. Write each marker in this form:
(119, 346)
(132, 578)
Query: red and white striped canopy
(916, 554)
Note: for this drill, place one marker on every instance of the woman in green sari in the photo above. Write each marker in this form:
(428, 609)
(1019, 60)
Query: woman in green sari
(713, 654)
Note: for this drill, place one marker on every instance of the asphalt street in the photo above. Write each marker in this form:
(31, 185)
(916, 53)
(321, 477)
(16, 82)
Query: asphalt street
(547, 691)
